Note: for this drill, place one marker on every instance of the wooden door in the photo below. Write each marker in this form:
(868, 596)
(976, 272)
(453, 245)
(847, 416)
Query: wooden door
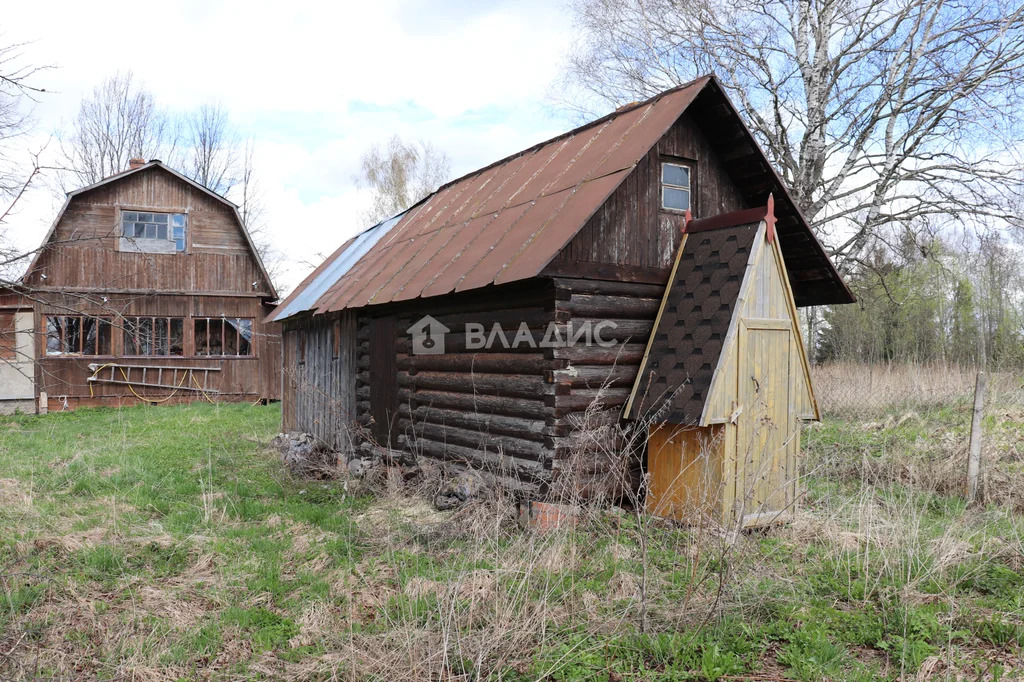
(766, 475)
(383, 379)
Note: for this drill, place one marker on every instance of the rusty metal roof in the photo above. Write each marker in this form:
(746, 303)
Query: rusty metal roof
(505, 222)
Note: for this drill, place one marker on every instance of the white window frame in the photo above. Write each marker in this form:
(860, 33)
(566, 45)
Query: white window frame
(170, 227)
(687, 188)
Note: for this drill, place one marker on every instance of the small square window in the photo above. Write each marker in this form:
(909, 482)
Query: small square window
(675, 186)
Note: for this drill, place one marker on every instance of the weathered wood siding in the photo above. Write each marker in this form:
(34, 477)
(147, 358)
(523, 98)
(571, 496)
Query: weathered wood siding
(319, 378)
(65, 378)
(83, 252)
(630, 232)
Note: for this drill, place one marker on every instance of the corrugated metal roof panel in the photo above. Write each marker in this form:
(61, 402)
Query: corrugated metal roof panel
(460, 237)
(507, 221)
(308, 293)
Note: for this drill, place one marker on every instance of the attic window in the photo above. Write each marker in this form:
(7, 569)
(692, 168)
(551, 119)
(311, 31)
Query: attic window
(168, 228)
(675, 186)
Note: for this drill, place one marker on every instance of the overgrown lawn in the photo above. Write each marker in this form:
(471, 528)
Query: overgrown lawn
(169, 543)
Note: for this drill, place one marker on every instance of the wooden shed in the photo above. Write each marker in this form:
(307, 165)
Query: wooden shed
(724, 381)
(484, 322)
(146, 288)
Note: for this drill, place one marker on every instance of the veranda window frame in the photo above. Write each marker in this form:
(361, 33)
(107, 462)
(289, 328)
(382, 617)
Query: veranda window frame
(226, 324)
(101, 322)
(131, 325)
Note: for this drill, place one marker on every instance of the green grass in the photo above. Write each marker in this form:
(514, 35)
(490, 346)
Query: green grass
(164, 543)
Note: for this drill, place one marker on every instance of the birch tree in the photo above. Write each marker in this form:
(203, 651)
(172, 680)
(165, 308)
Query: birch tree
(212, 149)
(880, 115)
(117, 122)
(400, 173)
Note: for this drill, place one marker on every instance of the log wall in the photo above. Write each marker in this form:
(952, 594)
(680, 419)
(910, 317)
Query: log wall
(513, 411)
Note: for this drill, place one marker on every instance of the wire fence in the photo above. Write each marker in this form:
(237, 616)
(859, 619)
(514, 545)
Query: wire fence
(911, 424)
(862, 390)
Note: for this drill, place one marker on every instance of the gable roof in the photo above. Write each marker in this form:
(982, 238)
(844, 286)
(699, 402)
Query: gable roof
(689, 333)
(505, 222)
(155, 163)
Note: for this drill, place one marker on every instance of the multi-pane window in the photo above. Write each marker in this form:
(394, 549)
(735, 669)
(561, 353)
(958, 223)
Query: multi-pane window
(77, 335)
(154, 336)
(675, 186)
(154, 226)
(223, 336)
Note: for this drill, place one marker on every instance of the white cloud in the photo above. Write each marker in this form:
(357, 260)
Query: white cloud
(314, 83)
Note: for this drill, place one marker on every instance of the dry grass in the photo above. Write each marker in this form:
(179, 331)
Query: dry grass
(153, 560)
(856, 389)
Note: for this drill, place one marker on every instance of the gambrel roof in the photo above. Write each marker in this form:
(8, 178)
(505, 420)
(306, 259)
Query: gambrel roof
(156, 164)
(506, 222)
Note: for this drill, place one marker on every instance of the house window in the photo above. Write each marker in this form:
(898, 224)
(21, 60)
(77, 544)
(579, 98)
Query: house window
(8, 339)
(223, 336)
(154, 228)
(77, 335)
(675, 186)
(154, 336)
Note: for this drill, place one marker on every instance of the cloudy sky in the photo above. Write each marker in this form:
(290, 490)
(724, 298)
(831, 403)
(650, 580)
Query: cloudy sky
(314, 84)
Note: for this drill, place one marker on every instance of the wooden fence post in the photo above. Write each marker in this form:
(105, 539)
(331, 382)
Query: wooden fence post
(974, 454)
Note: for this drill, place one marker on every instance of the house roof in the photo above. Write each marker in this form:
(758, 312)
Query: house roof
(505, 222)
(689, 334)
(156, 163)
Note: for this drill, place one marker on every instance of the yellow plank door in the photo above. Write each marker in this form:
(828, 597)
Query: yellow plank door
(765, 475)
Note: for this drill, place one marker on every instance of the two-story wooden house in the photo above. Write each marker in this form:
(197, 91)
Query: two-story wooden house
(146, 288)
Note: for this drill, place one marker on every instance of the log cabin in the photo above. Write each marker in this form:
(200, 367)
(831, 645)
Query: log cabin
(487, 322)
(147, 288)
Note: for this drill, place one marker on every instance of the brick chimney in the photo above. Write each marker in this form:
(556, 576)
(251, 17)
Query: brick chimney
(136, 163)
